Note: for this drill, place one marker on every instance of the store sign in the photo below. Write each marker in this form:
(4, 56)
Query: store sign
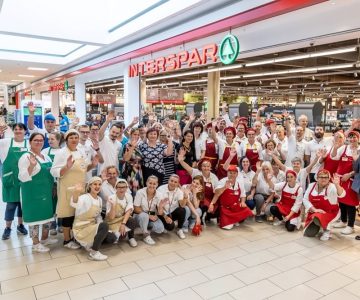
(229, 49)
(58, 86)
(102, 99)
(166, 96)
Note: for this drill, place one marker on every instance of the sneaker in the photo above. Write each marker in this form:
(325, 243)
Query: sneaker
(60, 229)
(191, 226)
(148, 240)
(165, 231)
(228, 227)
(53, 232)
(72, 245)
(49, 241)
(340, 225)
(278, 222)
(40, 248)
(312, 229)
(181, 234)
(347, 230)
(259, 219)
(6, 234)
(185, 229)
(325, 236)
(237, 224)
(21, 229)
(132, 242)
(96, 255)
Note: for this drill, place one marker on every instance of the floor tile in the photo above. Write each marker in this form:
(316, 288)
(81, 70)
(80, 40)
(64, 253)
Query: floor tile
(169, 247)
(11, 273)
(258, 245)
(63, 285)
(158, 261)
(289, 279)
(286, 249)
(181, 282)
(341, 294)
(256, 258)
(223, 297)
(26, 294)
(218, 287)
(53, 264)
(347, 255)
(114, 272)
(257, 273)
(226, 254)
(11, 253)
(196, 251)
(147, 292)
(229, 242)
(317, 252)
(62, 296)
(187, 294)
(222, 269)
(329, 282)
(191, 264)
(123, 258)
(299, 292)
(82, 268)
(204, 238)
(257, 291)
(290, 261)
(99, 290)
(146, 277)
(28, 281)
(353, 288)
(322, 265)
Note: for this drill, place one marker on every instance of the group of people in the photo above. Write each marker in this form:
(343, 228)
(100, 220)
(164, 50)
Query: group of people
(97, 184)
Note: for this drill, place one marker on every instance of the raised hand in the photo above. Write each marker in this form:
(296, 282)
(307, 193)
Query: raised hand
(321, 153)
(95, 161)
(182, 152)
(135, 120)
(3, 129)
(228, 184)
(79, 188)
(110, 116)
(94, 144)
(233, 152)
(104, 175)
(76, 121)
(336, 179)
(32, 160)
(31, 107)
(258, 166)
(70, 162)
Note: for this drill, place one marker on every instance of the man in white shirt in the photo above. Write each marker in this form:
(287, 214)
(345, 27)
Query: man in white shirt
(308, 133)
(110, 147)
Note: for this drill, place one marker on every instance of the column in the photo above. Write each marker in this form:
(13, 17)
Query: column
(132, 97)
(55, 104)
(143, 93)
(80, 101)
(213, 94)
(6, 97)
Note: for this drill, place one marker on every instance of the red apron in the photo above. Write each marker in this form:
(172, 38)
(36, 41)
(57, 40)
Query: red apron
(253, 156)
(321, 202)
(210, 154)
(209, 194)
(221, 173)
(286, 203)
(230, 210)
(184, 177)
(330, 164)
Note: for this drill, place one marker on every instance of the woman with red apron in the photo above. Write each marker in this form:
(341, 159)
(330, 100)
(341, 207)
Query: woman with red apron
(331, 164)
(288, 207)
(345, 156)
(321, 204)
(231, 195)
(251, 149)
(211, 152)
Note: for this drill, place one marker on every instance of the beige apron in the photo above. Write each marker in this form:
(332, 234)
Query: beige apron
(85, 226)
(77, 174)
(114, 224)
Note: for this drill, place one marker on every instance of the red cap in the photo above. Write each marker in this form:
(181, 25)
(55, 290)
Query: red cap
(251, 130)
(356, 133)
(243, 124)
(209, 125)
(232, 129)
(232, 168)
(201, 161)
(269, 121)
(243, 119)
(291, 172)
(323, 171)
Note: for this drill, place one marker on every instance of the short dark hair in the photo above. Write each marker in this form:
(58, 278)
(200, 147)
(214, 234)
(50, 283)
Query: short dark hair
(33, 135)
(20, 125)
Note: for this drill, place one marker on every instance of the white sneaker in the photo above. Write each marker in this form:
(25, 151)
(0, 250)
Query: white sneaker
(185, 229)
(40, 248)
(181, 234)
(340, 225)
(72, 245)
(165, 231)
(347, 230)
(49, 241)
(278, 222)
(148, 240)
(325, 236)
(228, 227)
(132, 242)
(237, 224)
(97, 255)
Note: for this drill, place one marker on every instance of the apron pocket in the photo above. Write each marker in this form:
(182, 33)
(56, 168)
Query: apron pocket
(8, 179)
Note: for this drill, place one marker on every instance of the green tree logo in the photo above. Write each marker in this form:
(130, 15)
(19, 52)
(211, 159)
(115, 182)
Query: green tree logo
(229, 49)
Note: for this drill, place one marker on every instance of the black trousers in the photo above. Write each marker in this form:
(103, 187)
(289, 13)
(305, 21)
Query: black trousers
(177, 215)
(209, 216)
(348, 214)
(147, 172)
(131, 224)
(103, 236)
(274, 210)
(312, 177)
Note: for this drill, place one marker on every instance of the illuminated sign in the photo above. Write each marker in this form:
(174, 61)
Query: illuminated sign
(229, 49)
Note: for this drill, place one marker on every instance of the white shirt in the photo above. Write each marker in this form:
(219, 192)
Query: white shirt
(295, 149)
(89, 153)
(301, 178)
(247, 178)
(173, 197)
(331, 194)
(24, 164)
(142, 201)
(223, 144)
(84, 203)
(126, 203)
(256, 146)
(280, 177)
(308, 134)
(213, 178)
(262, 187)
(279, 187)
(110, 151)
(200, 146)
(313, 146)
(238, 184)
(5, 145)
(52, 151)
(349, 152)
(106, 191)
(38, 130)
(284, 145)
(241, 140)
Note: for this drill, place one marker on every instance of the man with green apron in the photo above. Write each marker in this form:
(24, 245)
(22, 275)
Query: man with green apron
(11, 183)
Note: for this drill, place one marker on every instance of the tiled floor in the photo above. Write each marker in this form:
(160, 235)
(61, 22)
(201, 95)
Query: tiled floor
(253, 261)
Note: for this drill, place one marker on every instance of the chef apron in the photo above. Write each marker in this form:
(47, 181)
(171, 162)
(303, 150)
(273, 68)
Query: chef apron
(321, 202)
(221, 173)
(50, 154)
(345, 165)
(253, 156)
(330, 164)
(85, 226)
(211, 155)
(114, 224)
(77, 174)
(36, 196)
(230, 210)
(208, 195)
(10, 180)
(286, 203)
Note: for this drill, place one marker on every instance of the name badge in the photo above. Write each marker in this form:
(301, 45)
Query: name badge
(344, 159)
(208, 184)
(293, 197)
(326, 198)
(22, 149)
(255, 151)
(236, 193)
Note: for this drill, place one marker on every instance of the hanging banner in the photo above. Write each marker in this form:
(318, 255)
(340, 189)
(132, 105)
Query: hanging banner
(166, 96)
(102, 99)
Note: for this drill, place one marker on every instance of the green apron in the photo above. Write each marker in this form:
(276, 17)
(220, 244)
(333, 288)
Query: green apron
(11, 182)
(36, 196)
(50, 155)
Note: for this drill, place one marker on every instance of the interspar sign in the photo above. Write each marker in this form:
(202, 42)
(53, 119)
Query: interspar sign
(229, 50)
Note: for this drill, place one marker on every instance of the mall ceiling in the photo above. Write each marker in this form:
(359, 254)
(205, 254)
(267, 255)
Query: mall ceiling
(331, 70)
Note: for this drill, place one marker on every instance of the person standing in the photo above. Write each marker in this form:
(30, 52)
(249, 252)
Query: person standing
(11, 149)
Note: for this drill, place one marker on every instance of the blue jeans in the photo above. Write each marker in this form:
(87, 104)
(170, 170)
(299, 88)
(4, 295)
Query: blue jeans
(10, 210)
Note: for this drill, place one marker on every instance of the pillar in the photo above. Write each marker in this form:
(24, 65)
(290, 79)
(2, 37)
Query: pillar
(80, 101)
(55, 104)
(213, 94)
(143, 94)
(132, 97)
(6, 97)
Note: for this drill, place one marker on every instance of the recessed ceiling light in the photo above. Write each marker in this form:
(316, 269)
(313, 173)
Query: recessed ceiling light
(22, 75)
(37, 69)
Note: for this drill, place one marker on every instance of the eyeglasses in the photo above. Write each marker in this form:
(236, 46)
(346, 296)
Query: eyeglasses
(323, 177)
(163, 135)
(38, 141)
(85, 132)
(121, 187)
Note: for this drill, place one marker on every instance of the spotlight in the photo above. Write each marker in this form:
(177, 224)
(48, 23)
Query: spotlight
(313, 77)
(305, 85)
(338, 88)
(322, 85)
(276, 81)
(246, 83)
(355, 74)
(260, 82)
(290, 86)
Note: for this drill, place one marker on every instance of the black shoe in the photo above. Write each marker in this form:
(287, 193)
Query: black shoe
(311, 230)
(259, 219)
(21, 229)
(6, 234)
(357, 238)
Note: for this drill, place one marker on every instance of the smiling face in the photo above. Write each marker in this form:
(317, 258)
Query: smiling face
(114, 133)
(152, 136)
(206, 167)
(232, 175)
(121, 189)
(353, 139)
(195, 184)
(173, 183)
(72, 141)
(53, 142)
(95, 187)
(240, 131)
(19, 133)
(245, 164)
(112, 174)
(37, 143)
(290, 179)
(152, 184)
(49, 125)
(188, 137)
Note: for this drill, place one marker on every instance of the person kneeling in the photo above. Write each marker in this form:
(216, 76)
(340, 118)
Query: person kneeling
(231, 194)
(89, 229)
(119, 208)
